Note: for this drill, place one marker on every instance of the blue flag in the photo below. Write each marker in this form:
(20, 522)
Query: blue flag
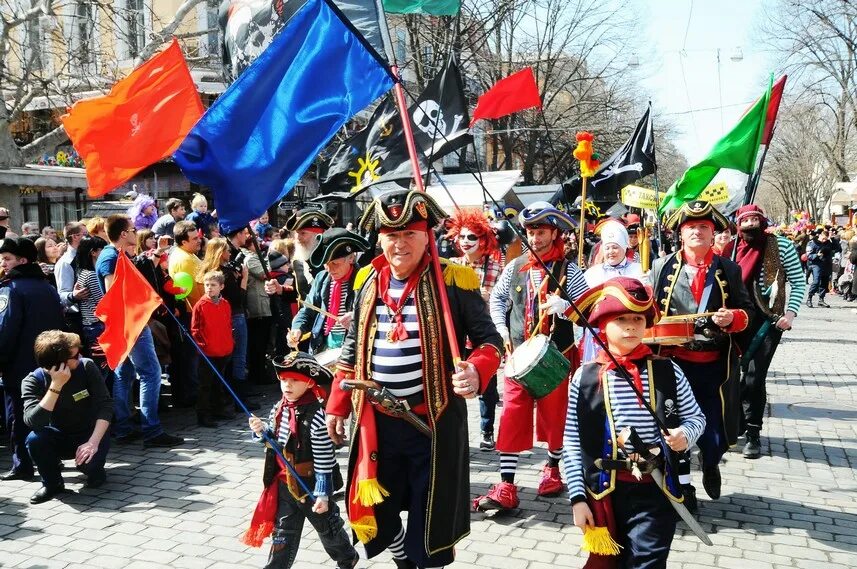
(256, 141)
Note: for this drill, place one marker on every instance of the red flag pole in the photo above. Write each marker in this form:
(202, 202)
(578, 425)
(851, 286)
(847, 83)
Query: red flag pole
(418, 182)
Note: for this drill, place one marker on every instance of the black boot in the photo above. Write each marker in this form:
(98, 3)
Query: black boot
(204, 420)
(753, 446)
(404, 564)
(689, 493)
(711, 481)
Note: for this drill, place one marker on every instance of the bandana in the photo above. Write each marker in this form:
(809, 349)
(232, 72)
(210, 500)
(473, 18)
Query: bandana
(698, 284)
(627, 362)
(336, 299)
(555, 253)
(398, 331)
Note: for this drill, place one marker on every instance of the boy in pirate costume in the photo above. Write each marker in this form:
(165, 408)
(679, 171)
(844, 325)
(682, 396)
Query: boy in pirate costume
(472, 235)
(523, 295)
(297, 423)
(606, 417)
(695, 281)
(414, 461)
(332, 290)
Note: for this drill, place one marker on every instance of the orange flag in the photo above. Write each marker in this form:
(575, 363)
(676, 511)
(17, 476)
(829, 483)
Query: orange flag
(143, 119)
(125, 311)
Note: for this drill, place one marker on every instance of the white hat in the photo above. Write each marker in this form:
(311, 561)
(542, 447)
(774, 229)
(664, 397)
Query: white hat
(614, 232)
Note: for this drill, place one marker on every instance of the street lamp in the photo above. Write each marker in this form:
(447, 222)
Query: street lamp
(737, 55)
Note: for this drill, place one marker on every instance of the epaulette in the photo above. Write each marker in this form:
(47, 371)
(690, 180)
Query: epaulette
(361, 277)
(460, 276)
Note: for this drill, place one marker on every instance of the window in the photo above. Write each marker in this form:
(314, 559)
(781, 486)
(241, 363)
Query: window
(84, 33)
(401, 45)
(212, 38)
(33, 55)
(135, 21)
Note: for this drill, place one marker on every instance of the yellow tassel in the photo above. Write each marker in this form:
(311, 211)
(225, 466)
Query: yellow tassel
(361, 277)
(366, 528)
(370, 492)
(460, 275)
(599, 541)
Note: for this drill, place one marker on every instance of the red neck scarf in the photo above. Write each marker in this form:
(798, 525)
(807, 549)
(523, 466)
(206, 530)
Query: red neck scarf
(627, 362)
(702, 264)
(307, 397)
(336, 299)
(555, 253)
(382, 267)
(750, 259)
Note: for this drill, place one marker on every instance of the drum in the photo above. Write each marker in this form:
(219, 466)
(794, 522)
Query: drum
(669, 334)
(538, 366)
(328, 358)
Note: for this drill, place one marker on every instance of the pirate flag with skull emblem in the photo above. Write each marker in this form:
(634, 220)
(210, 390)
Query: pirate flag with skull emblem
(378, 153)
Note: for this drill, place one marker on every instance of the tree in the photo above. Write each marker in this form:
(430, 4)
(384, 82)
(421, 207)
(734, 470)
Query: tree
(54, 53)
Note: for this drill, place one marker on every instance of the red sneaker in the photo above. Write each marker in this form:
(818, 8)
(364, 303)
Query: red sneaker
(502, 496)
(550, 483)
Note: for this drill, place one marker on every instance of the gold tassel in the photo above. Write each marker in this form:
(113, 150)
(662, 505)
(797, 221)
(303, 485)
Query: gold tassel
(599, 541)
(370, 492)
(366, 528)
(460, 275)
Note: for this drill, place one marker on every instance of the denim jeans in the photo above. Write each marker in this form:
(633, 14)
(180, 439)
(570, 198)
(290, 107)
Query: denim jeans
(820, 282)
(91, 332)
(488, 406)
(143, 361)
(239, 353)
(49, 445)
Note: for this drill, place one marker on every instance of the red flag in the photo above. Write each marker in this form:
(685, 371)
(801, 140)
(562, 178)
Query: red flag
(125, 311)
(143, 119)
(510, 95)
(773, 109)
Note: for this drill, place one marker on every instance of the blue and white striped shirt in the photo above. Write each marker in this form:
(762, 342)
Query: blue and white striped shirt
(398, 366)
(627, 412)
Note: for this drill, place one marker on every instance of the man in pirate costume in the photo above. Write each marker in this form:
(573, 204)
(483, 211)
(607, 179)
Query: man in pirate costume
(696, 281)
(332, 290)
(605, 417)
(305, 226)
(472, 235)
(767, 261)
(297, 424)
(397, 341)
(523, 295)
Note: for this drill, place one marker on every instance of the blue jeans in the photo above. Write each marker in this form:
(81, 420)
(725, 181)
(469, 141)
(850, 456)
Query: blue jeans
(143, 361)
(49, 445)
(91, 332)
(820, 282)
(488, 406)
(239, 352)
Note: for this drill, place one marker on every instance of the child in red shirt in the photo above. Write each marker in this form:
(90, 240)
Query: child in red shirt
(210, 325)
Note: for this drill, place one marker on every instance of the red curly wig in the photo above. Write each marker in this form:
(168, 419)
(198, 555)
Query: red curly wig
(475, 221)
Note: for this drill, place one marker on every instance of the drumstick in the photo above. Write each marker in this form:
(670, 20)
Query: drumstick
(321, 311)
(686, 317)
(545, 312)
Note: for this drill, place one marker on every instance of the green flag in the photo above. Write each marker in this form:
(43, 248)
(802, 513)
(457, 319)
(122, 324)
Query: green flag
(433, 7)
(737, 151)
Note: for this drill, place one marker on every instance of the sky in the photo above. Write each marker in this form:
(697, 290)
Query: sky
(681, 81)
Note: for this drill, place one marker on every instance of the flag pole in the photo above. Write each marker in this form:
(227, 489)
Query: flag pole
(582, 228)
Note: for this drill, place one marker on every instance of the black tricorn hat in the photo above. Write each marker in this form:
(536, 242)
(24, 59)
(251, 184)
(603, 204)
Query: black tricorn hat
(398, 208)
(309, 218)
(336, 243)
(698, 210)
(301, 363)
(20, 247)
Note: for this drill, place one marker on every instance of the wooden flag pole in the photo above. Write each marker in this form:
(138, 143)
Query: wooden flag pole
(582, 228)
(418, 182)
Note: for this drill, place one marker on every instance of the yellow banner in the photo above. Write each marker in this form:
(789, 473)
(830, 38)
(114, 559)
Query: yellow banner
(644, 198)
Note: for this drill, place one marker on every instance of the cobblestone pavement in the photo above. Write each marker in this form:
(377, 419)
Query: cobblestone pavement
(186, 507)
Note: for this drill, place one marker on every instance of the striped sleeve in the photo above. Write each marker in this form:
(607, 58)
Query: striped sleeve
(322, 447)
(571, 459)
(575, 283)
(692, 419)
(499, 302)
(794, 274)
(268, 427)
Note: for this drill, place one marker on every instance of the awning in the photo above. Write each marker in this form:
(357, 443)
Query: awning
(44, 177)
(845, 194)
(530, 194)
(467, 192)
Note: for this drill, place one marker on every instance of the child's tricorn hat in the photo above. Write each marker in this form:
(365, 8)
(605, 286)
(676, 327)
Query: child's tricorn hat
(301, 366)
(614, 297)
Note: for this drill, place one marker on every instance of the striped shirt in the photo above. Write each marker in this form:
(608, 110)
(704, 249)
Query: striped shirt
(323, 459)
(89, 280)
(337, 328)
(626, 412)
(794, 274)
(575, 285)
(398, 366)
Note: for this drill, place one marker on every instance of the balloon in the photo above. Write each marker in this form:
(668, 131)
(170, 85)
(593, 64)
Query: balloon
(185, 282)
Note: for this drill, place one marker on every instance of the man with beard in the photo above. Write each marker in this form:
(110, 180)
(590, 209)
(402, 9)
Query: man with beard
(819, 256)
(696, 281)
(471, 234)
(397, 341)
(521, 307)
(29, 305)
(767, 262)
(305, 225)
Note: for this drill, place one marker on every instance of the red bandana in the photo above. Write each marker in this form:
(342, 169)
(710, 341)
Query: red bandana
(336, 299)
(555, 253)
(627, 362)
(698, 284)
(397, 332)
